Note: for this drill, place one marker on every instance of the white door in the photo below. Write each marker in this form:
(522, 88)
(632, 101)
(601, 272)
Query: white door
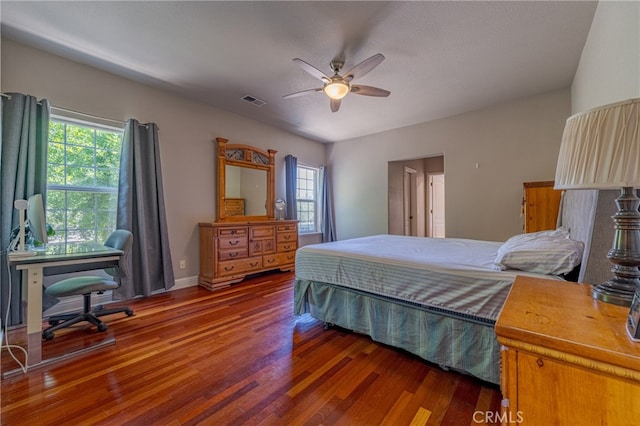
(436, 205)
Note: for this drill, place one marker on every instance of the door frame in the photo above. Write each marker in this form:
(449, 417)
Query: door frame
(409, 196)
(430, 202)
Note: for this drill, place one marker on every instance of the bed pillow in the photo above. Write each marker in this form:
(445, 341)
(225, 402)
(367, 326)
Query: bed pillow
(558, 232)
(545, 252)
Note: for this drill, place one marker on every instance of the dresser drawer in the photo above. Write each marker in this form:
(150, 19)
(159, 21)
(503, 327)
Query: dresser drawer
(277, 260)
(261, 232)
(233, 267)
(232, 242)
(288, 227)
(233, 254)
(290, 246)
(227, 232)
(287, 237)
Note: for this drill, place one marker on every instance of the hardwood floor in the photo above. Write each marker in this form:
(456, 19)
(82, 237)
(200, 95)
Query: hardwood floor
(237, 356)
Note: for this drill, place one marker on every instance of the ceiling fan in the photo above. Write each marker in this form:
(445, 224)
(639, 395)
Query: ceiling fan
(337, 86)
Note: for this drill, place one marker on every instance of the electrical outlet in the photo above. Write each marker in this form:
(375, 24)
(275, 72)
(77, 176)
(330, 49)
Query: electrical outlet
(183, 264)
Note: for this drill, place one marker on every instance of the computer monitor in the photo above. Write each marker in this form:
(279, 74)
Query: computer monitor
(36, 219)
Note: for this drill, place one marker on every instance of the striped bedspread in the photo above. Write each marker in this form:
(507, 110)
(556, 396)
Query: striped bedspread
(453, 274)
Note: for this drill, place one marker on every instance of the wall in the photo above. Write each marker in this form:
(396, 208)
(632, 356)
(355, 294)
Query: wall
(609, 68)
(187, 133)
(608, 71)
(511, 143)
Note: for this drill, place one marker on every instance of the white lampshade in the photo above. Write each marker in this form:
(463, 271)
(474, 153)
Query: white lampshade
(600, 148)
(337, 89)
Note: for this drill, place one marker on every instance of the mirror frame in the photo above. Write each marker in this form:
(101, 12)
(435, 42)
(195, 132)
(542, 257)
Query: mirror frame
(252, 158)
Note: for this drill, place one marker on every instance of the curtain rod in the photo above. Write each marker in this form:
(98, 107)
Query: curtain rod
(71, 111)
(84, 114)
(6, 95)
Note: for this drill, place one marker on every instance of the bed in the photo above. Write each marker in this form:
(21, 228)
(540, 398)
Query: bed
(436, 298)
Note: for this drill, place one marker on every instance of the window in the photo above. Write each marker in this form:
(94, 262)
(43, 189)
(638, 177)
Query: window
(82, 180)
(307, 198)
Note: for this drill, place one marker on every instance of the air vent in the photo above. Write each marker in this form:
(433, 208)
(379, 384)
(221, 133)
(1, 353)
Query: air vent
(255, 101)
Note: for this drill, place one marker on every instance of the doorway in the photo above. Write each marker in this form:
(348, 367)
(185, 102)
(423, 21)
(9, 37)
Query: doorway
(409, 196)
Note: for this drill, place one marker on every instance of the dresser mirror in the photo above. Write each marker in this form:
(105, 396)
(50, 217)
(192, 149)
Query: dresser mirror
(245, 182)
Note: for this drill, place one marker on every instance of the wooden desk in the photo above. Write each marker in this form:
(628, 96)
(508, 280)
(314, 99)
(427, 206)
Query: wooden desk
(567, 359)
(57, 260)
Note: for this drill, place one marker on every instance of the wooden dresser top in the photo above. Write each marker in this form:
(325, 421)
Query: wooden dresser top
(563, 316)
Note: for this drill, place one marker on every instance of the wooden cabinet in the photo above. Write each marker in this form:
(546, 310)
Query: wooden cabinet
(231, 251)
(540, 204)
(234, 206)
(566, 358)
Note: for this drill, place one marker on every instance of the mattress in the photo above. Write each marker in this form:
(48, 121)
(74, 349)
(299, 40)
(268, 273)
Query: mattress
(451, 275)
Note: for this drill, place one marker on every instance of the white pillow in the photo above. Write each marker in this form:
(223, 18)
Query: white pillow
(545, 252)
(558, 232)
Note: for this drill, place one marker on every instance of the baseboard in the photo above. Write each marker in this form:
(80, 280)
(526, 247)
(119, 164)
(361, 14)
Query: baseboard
(185, 282)
(73, 304)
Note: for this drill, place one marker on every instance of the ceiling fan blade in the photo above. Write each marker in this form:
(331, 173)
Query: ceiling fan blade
(301, 93)
(359, 89)
(335, 104)
(311, 70)
(364, 67)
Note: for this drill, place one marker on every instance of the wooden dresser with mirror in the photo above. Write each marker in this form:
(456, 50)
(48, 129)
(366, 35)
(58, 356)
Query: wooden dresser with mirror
(246, 238)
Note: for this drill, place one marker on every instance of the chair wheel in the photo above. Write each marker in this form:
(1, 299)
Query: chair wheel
(48, 335)
(102, 327)
(129, 312)
(54, 322)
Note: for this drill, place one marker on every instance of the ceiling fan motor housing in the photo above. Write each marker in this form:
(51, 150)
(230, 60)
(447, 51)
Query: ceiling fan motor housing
(336, 65)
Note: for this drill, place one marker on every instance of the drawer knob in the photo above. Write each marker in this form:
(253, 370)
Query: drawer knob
(228, 268)
(234, 243)
(540, 362)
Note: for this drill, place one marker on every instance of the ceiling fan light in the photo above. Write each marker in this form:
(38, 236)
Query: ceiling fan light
(337, 89)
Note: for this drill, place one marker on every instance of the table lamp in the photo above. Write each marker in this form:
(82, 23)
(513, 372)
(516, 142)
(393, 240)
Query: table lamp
(600, 149)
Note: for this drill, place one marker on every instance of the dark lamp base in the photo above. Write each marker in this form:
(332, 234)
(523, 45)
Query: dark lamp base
(625, 252)
(613, 292)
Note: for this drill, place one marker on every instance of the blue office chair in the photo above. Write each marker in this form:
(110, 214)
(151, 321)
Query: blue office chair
(120, 239)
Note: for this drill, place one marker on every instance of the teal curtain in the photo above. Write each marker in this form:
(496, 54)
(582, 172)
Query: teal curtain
(291, 182)
(327, 225)
(24, 127)
(141, 210)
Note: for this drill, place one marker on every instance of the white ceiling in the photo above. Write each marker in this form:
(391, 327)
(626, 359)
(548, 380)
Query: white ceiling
(442, 58)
